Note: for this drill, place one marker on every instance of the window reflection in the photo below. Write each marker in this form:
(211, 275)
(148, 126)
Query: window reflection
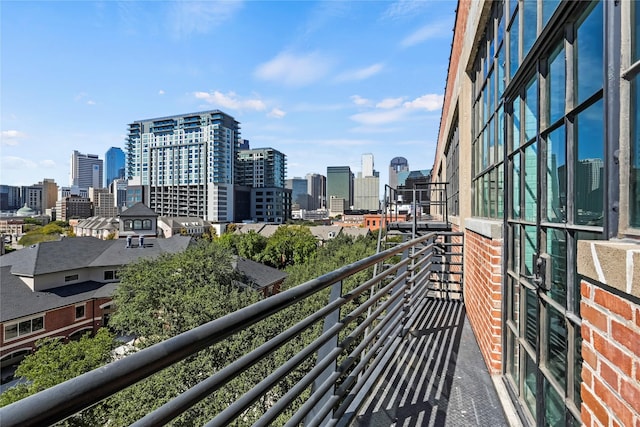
(557, 250)
(556, 176)
(557, 345)
(589, 53)
(634, 173)
(589, 173)
(557, 83)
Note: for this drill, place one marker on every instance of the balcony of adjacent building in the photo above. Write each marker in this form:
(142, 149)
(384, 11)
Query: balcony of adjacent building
(389, 346)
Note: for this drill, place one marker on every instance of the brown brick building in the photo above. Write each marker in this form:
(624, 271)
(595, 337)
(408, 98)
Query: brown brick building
(539, 142)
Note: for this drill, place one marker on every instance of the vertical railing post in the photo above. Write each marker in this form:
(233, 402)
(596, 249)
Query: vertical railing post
(324, 351)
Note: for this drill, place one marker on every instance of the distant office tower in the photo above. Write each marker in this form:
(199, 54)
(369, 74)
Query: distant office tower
(299, 194)
(340, 184)
(262, 171)
(317, 190)
(186, 162)
(113, 165)
(32, 197)
(367, 165)
(366, 188)
(398, 164)
(10, 198)
(118, 188)
(103, 203)
(73, 202)
(86, 170)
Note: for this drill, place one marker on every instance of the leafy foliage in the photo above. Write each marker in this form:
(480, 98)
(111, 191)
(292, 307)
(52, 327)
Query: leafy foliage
(55, 362)
(289, 245)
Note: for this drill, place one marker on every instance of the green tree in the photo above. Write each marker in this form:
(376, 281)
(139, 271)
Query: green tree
(251, 245)
(289, 245)
(55, 362)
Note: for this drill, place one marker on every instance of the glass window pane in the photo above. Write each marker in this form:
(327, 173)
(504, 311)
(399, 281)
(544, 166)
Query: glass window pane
(514, 59)
(516, 125)
(529, 249)
(513, 356)
(557, 346)
(589, 174)
(491, 142)
(635, 29)
(493, 192)
(515, 193)
(500, 191)
(548, 7)
(634, 173)
(531, 318)
(556, 176)
(531, 110)
(11, 331)
(557, 83)
(577, 366)
(485, 195)
(515, 249)
(37, 323)
(24, 328)
(553, 406)
(530, 196)
(589, 54)
(530, 26)
(530, 384)
(557, 250)
(501, 71)
(500, 133)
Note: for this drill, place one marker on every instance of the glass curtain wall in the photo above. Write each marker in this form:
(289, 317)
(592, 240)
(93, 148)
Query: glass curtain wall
(539, 122)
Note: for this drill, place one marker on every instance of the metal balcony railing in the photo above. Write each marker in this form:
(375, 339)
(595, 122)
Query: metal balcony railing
(360, 327)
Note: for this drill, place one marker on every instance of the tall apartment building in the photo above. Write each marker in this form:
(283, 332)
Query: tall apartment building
(114, 165)
(10, 198)
(262, 171)
(185, 164)
(541, 121)
(340, 185)
(317, 190)
(86, 170)
(103, 203)
(366, 186)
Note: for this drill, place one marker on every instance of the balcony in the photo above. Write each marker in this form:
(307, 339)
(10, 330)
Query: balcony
(390, 346)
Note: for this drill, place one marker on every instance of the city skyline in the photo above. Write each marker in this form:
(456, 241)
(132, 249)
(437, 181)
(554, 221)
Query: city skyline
(293, 74)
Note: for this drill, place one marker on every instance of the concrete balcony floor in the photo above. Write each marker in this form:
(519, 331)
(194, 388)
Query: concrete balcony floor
(437, 378)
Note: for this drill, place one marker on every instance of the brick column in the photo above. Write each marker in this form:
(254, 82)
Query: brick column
(610, 314)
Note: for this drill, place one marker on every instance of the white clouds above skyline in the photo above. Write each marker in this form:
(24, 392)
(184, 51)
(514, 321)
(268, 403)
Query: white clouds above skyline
(294, 70)
(428, 32)
(230, 101)
(360, 74)
(189, 17)
(12, 137)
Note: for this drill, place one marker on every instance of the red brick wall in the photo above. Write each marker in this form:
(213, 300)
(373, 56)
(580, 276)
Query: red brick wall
(611, 352)
(483, 295)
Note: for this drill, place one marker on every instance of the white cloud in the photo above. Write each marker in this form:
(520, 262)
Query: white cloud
(277, 113)
(429, 102)
(340, 142)
(401, 8)
(294, 70)
(379, 117)
(48, 164)
(84, 97)
(161, 92)
(230, 101)
(390, 103)
(361, 74)
(91, 102)
(12, 137)
(16, 163)
(188, 17)
(358, 100)
(430, 31)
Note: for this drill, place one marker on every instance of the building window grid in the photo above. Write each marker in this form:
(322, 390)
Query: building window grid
(558, 383)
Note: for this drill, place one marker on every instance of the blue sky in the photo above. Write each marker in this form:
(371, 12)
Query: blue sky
(323, 82)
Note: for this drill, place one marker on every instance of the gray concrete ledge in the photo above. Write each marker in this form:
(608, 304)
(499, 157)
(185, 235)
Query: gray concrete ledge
(489, 228)
(614, 263)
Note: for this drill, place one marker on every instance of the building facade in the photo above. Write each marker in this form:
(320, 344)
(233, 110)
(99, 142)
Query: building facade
(317, 190)
(114, 165)
(86, 170)
(300, 198)
(540, 121)
(185, 164)
(340, 184)
(397, 165)
(262, 171)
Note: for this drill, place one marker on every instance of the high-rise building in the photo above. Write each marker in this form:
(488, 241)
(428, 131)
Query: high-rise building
(261, 172)
(397, 165)
(366, 186)
(86, 170)
(10, 198)
(317, 190)
(340, 184)
(367, 165)
(114, 164)
(103, 203)
(299, 195)
(185, 163)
